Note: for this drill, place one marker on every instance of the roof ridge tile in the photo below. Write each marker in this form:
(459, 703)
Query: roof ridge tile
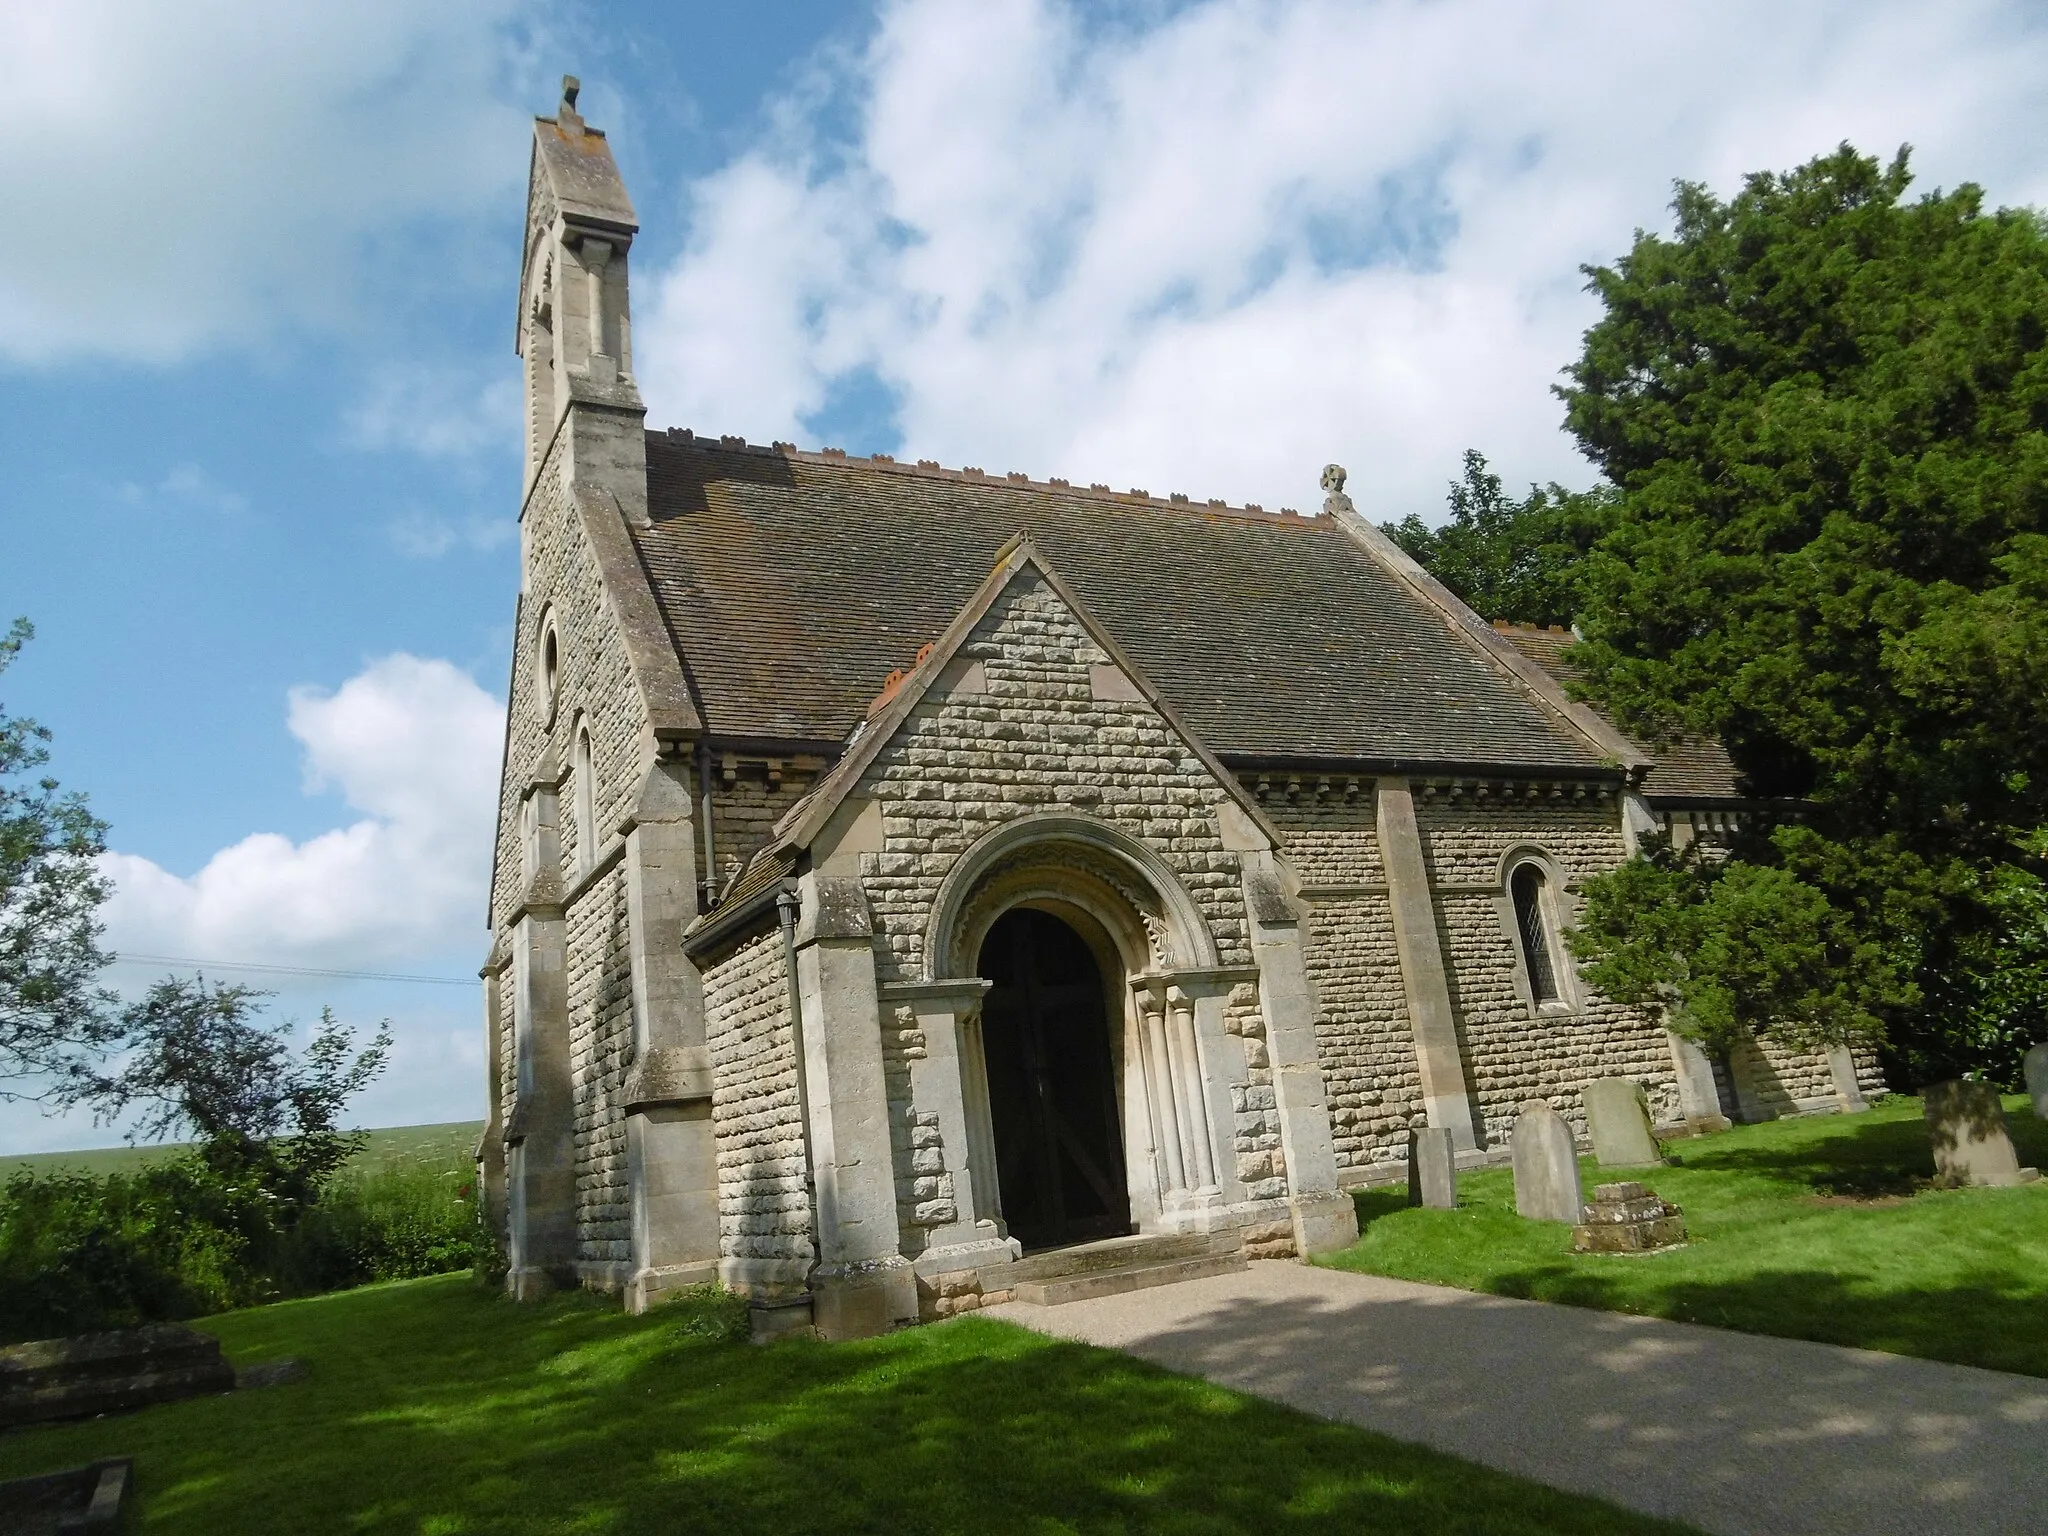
(974, 474)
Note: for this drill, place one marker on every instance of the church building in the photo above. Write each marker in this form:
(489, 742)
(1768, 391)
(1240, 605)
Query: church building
(917, 886)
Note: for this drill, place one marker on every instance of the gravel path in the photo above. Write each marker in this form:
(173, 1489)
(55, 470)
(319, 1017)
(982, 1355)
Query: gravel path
(1728, 1432)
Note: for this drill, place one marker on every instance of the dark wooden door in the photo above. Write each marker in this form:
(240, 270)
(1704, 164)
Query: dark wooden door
(1051, 1086)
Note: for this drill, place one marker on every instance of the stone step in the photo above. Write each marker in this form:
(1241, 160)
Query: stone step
(1119, 1253)
(1132, 1277)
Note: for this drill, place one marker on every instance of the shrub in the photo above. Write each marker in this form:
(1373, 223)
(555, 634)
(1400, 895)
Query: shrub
(200, 1233)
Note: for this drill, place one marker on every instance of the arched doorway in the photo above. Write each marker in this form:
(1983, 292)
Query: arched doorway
(1051, 1083)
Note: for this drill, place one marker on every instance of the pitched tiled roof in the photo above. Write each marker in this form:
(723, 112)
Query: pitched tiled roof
(794, 583)
(1688, 767)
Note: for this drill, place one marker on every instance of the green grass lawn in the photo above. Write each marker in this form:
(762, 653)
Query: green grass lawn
(435, 1408)
(1818, 1228)
(412, 1146)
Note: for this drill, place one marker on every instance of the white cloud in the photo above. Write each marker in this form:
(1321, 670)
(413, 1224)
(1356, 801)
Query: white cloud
(427, 535)
(1212, 252)
(199, 173)
(444, 412)
(183, 488)
(411, 744)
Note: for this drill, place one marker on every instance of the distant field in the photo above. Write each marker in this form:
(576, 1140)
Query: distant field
(397, 1146)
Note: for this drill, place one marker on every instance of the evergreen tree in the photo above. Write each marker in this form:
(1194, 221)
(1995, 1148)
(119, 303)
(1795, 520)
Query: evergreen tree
(1824, 408)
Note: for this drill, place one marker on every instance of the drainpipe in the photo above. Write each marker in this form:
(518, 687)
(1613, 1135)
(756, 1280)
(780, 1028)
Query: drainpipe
(709, 895)
(786, 905)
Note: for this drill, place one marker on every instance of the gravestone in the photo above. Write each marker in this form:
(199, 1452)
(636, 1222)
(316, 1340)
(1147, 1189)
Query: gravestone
(108, 1372)
(1432, 1169)
(1966, 1128)
(1627, 1218)
(2037, 1080)
(1546, 1165)
(1619, 1122)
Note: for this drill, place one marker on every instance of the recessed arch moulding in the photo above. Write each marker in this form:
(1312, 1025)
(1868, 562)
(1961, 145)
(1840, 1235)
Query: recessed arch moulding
(1188, 1039)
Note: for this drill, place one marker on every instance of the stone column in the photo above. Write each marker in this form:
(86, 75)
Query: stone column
(1198, 1137)
(1445, 1096)
(1638, 822)
(862, 1284)
(950, 1081)
(490, 1147)
(1221, 1060)
(540, 1141)
(1170, 1163)
(671, 1155)
(1324, 1217)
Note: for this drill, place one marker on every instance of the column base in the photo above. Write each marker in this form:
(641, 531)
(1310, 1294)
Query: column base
(860, 1300)
(650, 1287)
(983, 1253)
(1323, 1222)
(530, 1283)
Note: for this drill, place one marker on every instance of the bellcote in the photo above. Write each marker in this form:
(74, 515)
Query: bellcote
(575, 324)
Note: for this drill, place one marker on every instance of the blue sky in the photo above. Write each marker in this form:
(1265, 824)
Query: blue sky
(257, 373)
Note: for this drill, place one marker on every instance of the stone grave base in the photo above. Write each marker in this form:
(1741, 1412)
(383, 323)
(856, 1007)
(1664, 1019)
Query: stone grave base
(1627, 1218)
(108, 1372)
(82, 1499)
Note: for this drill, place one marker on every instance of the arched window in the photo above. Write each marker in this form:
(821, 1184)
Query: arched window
(1526, 886)
(586, 800)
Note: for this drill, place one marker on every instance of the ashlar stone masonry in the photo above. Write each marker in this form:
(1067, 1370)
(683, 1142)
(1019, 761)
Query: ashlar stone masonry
(913, 884)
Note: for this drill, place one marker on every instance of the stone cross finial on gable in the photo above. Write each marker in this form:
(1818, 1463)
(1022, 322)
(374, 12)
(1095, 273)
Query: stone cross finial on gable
(566, 117)
(1334, 499)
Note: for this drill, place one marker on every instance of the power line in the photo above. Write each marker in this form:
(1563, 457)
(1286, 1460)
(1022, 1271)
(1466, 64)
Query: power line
(290, 970)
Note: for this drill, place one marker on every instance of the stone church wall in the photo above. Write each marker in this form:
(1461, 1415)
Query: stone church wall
(595, 684)
(763, 1208)
(505, 1089)
(744, 810)
(600, 991)
(1510, 1056)
(1362, 1033)
(1038, 740)
(924, 1177)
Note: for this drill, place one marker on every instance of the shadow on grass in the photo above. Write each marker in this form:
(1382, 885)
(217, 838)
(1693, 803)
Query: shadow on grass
(433, 1408)
(1865, 1156)
(1988, 1317)
(1383, 1200)
(1859, 1157)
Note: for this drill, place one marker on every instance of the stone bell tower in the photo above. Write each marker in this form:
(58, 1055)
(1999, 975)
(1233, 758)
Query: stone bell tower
(608, 1166)
(575, 324)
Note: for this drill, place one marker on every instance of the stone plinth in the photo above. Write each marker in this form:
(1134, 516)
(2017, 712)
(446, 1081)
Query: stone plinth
(1627, 1218)
(65, 1503)
(1546, 1165)
(1432, 1171)
(1966, 1129)
(2037, 1080)
(108, 1372)
(1619, 1123)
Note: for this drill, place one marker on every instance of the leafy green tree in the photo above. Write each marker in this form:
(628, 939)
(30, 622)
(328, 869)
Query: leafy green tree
(55, 1019)
(199, 1060)
(1824, 408)
(1508, 559)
